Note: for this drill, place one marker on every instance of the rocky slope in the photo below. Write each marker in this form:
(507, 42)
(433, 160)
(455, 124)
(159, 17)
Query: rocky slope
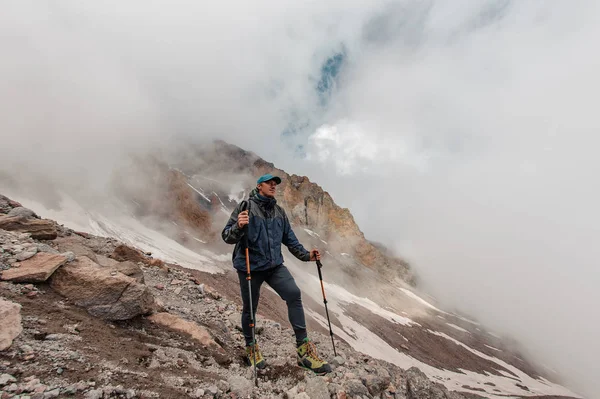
(89, 317)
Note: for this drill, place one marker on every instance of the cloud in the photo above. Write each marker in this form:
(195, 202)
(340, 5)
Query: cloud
(472, 126)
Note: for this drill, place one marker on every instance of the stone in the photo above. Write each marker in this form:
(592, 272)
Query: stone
(108, 297)
(376, 384)
(212, 390)
(46, 248)
(123, 253)
(198, 393)
(240, 386)
(128, 268)
(196, 332)
(223, 386)
(69, 255)
(316, 388)
(40, 229)
(52, 394)
(418, 386)
(11, 327)
(68, 245)
(338, 361)
(36, 269)
(6, 378)
(26, 254)
(94, 394)
(22, 212)
(355, 388)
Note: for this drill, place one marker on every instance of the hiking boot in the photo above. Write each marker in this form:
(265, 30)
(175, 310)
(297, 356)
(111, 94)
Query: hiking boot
(260, 360)
(309, 358)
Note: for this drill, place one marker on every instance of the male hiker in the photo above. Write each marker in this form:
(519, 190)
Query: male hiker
(268, 228)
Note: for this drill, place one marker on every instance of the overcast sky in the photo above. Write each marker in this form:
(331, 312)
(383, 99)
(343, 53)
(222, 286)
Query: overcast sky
(463, 134)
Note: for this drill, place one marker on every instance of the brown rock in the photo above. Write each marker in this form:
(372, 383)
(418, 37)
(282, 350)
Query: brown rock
(128, 268)
(40, 229)
(109, 297)
(36, 269)
(157, 263)
(67, 244)
(10, 328)
(196, 332)
(123, 253)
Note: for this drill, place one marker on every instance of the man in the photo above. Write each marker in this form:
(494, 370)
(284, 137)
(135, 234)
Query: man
(268, 228)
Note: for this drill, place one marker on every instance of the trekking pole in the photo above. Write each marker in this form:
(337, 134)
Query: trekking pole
(319, 266)
(249, 279)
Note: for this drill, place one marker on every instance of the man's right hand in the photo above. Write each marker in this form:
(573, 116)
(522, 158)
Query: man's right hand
(243, 219)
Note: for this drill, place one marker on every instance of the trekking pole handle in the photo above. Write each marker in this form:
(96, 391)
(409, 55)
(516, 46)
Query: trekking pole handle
(319, 266)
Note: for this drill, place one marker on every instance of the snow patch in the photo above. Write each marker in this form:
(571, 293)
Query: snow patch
(199, 192)
(421, 300)
(494, 349)
(458, 328)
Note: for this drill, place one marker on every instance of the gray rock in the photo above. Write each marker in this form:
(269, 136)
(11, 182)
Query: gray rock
(355, 388)
(26, 255)
(198, 393)
(338, 361)
(6, 378)
(223, 386)
(11, 388)
(316, 388)
(94, 394)
(240, 386)
(47, 248)
(212, 390)
(376, 384)
(69, 255)
(22, 212)
(52, 394)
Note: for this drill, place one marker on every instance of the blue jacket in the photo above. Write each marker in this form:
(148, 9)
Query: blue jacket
(269, 227)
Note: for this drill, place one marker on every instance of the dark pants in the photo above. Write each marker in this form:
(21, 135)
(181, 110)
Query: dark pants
(281, 280)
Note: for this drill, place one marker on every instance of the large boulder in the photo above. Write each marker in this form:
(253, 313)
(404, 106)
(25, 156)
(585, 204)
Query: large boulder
(67, 244)
(127, 267)
(104, 293)
(40, 229)
(10, 328)
(35, 269)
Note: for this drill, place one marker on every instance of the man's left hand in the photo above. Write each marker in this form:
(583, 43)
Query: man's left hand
(315, 255)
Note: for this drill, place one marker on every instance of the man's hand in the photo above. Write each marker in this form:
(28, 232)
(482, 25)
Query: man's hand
(243, 219)
(315, 255)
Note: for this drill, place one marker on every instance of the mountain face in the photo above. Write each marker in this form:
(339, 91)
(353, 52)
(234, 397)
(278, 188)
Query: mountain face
(150, 263)
(210, 176)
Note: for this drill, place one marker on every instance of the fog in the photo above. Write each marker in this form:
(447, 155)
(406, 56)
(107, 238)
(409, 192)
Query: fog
(471, 125)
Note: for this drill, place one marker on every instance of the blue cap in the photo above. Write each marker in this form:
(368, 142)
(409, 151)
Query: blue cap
(268, 177)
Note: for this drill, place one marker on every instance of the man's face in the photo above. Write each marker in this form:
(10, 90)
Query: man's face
(267, 188)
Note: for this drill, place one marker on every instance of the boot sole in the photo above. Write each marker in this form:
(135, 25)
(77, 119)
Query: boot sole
(320, 373)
